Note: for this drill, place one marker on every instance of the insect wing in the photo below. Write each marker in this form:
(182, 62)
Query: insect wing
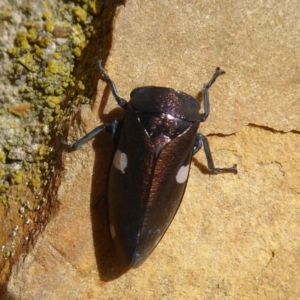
(128, 186)
(168, 184)
(144, 192)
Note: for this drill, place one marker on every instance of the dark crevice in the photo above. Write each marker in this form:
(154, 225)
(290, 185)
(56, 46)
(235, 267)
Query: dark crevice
(266, 128)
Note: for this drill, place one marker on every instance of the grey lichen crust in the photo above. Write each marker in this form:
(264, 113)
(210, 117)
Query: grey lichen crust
(39, 43)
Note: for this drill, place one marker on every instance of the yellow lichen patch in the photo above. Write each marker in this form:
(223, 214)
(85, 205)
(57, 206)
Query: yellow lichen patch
(2, 157)
(35, 181)
(55, 100)
(17, 176)
(93, 7)
(80, 85)
(80, 14)
(56, 55)
(44, 42)
(38, 51)
(21, 40)
(49, 26)
(43, 151)
(77, 52)
(57, 67)
(28, 62)
(31, 34)
(47, 15)
(3, 187)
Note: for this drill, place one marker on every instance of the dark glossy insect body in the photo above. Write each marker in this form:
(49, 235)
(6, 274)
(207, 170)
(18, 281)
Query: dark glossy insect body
(150, 168)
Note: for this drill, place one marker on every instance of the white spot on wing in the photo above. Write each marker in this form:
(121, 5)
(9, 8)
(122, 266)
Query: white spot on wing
(182, 174)
(112, 230)
(120, 161)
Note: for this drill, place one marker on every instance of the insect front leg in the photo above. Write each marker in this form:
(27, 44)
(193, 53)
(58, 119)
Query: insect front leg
(202, 140)
(109, 127)
(122, 102)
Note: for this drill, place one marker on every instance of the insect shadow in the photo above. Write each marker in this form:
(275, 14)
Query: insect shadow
(103, 145)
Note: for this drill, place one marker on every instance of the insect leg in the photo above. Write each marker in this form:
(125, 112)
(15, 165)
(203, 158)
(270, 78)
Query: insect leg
(109, 127)
(205, 95)
(202, 140)
(122, 102)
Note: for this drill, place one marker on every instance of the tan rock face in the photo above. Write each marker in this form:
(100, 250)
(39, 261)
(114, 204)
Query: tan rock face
(234, 237)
